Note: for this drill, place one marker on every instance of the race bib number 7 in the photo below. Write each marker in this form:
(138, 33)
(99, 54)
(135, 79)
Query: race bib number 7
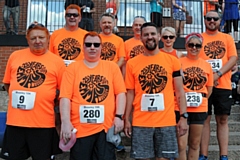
(152, 102)
(23, 99)
(91, 113)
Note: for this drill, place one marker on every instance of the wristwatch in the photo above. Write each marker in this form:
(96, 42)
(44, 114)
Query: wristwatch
(219, 73)
(184, 115)
(120, 116)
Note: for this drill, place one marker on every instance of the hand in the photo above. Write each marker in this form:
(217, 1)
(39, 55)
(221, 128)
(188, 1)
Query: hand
(66, 131)
(127, 128)
(118, 123)
(182, 127)
(215, 79)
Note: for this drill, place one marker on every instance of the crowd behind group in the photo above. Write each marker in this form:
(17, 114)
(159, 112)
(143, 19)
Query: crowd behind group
(91, 82)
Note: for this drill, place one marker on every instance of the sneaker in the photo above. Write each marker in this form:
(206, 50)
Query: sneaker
(120, 148)
(223, 157)
(202, 157)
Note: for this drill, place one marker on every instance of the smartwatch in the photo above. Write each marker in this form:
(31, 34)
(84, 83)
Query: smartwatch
(120, 116)
(184, 115)
(219, 73)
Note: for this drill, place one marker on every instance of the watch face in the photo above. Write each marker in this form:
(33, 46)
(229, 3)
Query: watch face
(185, 115)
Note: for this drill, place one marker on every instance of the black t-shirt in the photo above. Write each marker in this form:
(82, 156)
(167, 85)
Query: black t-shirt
(89, 5)
(68, 2)
(12, 3)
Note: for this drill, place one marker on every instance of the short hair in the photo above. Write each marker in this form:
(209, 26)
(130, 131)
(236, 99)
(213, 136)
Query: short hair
(37, 26)
(74, 6)
(107, 15)
(92, 34)
(147, 24)
(142, 17)
(168, 29)
(219, 15)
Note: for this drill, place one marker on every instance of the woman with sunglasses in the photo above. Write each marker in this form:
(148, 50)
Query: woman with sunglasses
(168, 37)
(198, 83)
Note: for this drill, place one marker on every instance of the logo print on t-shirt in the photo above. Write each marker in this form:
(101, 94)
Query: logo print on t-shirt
(94, 88)
(69, 49)
(153, 78)
(108, 51)
(215, 49)
(139, 49)
(31, 74)
(194, 78)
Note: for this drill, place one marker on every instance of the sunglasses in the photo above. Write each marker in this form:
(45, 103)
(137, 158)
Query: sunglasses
(34, 25)
(72, 14)
(166, 37)
(210, 18)
(197, 46)
(88, 44)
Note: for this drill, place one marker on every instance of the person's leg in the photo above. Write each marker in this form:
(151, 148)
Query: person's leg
(6, 16)
(182, 24)
(82, 23)
(235, 27)
(195, 133)
(15, 15)
(182, 147)
(205, 137)
(177, 26)
(90, 24)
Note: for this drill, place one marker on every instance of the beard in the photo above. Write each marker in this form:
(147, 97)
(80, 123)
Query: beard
(212, 29)
(151, 48)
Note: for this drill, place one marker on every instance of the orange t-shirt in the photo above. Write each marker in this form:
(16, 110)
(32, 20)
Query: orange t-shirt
(133, 47)
(112, 47)
(173, 53)
(67, 44)
(208, 6)
(152, 75)
(32, 73)
(220, 46)
(197, 77)
(92, 86)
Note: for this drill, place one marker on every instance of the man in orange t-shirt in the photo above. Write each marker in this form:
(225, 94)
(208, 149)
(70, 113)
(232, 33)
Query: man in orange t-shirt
(209, 5)
(31, 79)
(220, 51)
(112, 46)
(150, 80)
(67, 42)
(92, 101)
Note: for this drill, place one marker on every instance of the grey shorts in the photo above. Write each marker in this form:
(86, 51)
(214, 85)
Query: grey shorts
(180, 15)
(154, 142)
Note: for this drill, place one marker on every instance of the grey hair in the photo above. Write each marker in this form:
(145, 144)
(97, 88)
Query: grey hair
(169, 29)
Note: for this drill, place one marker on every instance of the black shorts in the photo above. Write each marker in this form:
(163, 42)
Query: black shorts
(21, 143)
(94, 147)
(221, 100)
(156, 18)
(193, 117)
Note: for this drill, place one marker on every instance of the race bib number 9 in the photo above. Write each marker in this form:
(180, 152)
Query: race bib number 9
(152, 102)
(109, 10)
(193, 99)
(91, 113)
(216, 64)
(23, 99)
(67, 62)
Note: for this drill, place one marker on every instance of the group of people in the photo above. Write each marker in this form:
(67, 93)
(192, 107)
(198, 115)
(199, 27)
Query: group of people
(159, 98)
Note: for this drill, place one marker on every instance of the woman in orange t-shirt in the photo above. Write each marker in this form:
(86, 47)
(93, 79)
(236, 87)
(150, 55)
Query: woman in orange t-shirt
(168, 37)
(198, 84)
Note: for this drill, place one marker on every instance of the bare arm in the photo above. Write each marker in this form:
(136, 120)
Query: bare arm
(121, 61)
(117, 6)
(66, 126)
(181, 99)
(93, 10)
(6, 86)
(127, 121)
(209, 89)
(120, 109)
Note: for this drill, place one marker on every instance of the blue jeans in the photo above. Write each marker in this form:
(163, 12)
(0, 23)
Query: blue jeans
(7, 11)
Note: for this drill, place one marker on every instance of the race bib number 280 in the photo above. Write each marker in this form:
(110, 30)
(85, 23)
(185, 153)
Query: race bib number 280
(91, 113)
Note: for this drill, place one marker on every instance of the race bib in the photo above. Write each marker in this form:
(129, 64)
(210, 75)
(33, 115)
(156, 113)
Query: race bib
(86, 9)
(152, 102)
(234, 86)
(23, 99)
(109, 10)
(193, 99)
(67, 62)
(91, 113)
(216, 64)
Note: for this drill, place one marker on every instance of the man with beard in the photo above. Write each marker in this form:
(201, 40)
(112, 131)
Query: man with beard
(112, 46)
(220, 51)
(150, 80)
(67, 42)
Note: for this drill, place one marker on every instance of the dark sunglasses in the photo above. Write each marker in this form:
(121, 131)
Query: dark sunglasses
(166, 37)
(72, 14)
(140, 17)
(210, 18)
(197, 46)
(88, 44)
(34, 25)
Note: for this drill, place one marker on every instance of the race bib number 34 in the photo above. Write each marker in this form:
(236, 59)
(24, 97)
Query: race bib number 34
(23, 99)
(152, 102)
(91, 113)
(216, 64)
